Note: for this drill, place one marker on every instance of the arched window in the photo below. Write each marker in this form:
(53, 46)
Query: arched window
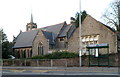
(30, 53)
(40, 49)
(18, 54)
(23, 53)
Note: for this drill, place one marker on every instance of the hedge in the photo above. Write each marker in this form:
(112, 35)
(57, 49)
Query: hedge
(57, 55)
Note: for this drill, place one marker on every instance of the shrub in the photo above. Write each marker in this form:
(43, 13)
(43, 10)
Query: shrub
(57, 55)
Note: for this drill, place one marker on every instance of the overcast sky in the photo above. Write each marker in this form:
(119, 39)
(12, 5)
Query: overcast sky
(15, 14)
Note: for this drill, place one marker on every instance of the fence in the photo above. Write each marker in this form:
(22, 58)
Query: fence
(114, 60)
(42, 62)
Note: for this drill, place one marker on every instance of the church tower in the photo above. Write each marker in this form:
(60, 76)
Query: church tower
(31, 25)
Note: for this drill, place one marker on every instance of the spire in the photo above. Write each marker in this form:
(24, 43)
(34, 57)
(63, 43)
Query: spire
(31, 18)
(31, 25)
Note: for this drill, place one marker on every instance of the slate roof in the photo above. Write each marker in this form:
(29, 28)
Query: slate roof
(54, 28)
(70, 31)
(49, 35)
(64, 31)
(25, 39)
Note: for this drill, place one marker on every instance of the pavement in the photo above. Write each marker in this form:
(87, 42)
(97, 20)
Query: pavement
(60, 70)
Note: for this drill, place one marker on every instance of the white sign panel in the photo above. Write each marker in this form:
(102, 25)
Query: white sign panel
(80, 53)
(96, 52)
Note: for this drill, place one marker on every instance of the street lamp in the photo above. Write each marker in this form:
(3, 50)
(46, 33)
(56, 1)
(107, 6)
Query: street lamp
(80, 39)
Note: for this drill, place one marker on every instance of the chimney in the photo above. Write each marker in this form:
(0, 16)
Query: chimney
(72, 20)
(20, 31)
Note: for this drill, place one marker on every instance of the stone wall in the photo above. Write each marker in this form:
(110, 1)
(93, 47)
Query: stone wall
(40, 38)
(72, 62)
(42, 62)
(73, 42)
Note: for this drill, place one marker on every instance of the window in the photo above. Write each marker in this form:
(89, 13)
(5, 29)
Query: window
(28, 53)
(96, 37)
(31, 53)
(24, 53)
(61, 39)
(91, 38)
(83, 39)
(18, 54)
(40, 49)
(33, 26)
(91, 42)
(87, 39)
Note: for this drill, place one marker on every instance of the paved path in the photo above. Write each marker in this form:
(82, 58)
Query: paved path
(60, 70)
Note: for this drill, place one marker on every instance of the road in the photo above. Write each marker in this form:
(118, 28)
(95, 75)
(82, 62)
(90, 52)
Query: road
(59, 72)
(60, 76)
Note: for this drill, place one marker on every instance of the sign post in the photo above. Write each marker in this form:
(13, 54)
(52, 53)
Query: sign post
(80, 58)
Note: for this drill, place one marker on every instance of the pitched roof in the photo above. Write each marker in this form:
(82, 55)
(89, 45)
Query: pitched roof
(49, 35)
(15, 38)
(25, 39)
(71, 31)
(64, 31)
(54, 28)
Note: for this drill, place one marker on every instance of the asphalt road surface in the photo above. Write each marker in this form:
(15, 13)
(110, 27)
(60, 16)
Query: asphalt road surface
(60, 76)
(59, 72)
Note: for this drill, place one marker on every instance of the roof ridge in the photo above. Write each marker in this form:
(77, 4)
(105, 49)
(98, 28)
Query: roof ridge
(54, 24)
(46, 31)
(32, 30)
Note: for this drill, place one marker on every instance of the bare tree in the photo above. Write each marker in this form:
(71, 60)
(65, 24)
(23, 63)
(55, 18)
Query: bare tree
(112, 15)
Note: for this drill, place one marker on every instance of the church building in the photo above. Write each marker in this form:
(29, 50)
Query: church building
(64, 37)
(41, 41)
